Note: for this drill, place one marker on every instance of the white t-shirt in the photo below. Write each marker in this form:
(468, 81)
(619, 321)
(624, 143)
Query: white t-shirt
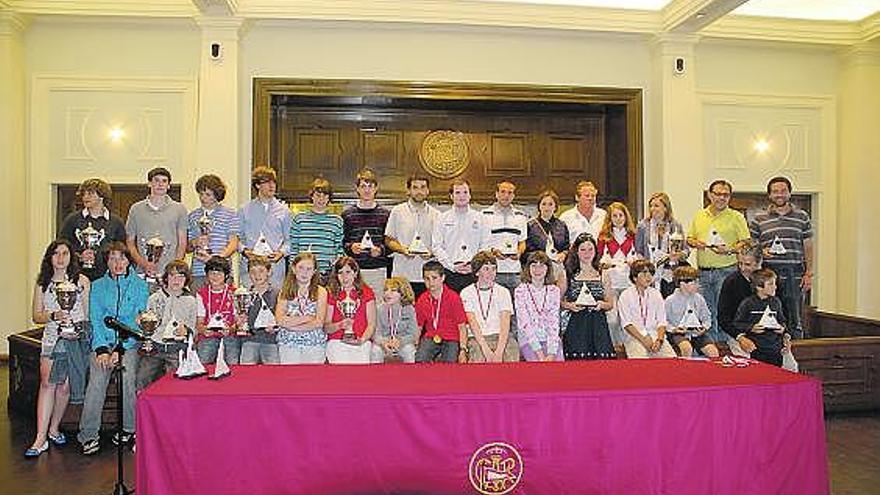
(487, 305)
(504, 230)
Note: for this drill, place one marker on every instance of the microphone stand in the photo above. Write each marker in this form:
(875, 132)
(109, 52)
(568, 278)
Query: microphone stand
(119, 370)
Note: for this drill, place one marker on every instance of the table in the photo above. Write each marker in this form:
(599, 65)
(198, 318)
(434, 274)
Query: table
(604, 427)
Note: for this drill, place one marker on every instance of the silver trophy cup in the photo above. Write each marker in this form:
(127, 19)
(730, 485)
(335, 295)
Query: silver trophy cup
(66, 293)
(348, 307)
(149, 323)
(205, 224)
(243, 299)
(154, 249)
(90, 239)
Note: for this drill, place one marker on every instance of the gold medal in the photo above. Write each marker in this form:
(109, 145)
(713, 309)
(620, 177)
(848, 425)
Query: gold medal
(437, 339)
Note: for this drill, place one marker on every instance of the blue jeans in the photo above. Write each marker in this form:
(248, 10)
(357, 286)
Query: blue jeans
(259, 353)
(711, 281)
(96, 393)
(207, 349)
(302, 354)
(792, 297)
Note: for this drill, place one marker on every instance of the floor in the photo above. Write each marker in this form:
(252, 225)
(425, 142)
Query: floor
(853, 452)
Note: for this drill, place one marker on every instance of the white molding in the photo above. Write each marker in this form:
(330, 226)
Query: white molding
(151, 8)
(788, 30)
(13, 23)
(870, 27)
(463, 12)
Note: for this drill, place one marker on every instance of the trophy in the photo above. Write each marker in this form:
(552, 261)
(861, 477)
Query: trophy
(417, 246)
(585, 298)
(509, 247)
(348, 307)
(777, 248)
(367, 241)
(205, 224)
(243, 299)
(690, 323)
(676, 245)
(90, 239)
(149, 323)
(262, 248)
(154, 248)
(550, 248)
(65, 293)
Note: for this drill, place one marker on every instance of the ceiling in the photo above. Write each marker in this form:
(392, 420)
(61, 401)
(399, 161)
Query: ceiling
(843, 22)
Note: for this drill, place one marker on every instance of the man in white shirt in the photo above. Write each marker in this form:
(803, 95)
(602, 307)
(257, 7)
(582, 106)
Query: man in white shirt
(488, 307)
(458, 236)
(409, 232)
(505, 234)
(585, 216)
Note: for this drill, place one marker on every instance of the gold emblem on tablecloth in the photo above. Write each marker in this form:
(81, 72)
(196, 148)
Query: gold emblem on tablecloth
(444, 154)
(495, 468)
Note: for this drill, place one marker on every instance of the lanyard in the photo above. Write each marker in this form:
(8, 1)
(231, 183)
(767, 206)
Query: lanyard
(211, 306)
(485, 314)
(392, 323)
(643, 312)
(437, 311)
(534, 302)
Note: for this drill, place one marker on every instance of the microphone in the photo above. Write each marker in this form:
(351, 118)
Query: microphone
(123, 329)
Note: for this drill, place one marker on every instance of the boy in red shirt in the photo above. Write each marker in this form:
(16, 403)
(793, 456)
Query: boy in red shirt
(441, 319)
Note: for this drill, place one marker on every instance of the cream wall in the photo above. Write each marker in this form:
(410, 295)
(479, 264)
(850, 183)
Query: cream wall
(151, 63)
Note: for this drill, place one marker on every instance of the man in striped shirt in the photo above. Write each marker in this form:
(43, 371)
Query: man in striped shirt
(317, 230)
(785, 234)
(212, 228)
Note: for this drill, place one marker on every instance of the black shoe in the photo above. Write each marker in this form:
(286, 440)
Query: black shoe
(91, 446)
(127, 438)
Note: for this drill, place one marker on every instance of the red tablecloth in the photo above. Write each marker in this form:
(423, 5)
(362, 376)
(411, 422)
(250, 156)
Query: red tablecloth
(629, 427)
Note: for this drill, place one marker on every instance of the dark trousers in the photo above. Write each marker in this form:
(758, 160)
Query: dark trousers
(429, 350)
(457, 281)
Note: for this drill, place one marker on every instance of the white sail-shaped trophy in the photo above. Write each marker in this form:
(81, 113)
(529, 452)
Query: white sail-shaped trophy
(262, 247)
(221, 369)
(715, 239)
(190, 366)
(417, 246)
(367, 241)
(777, 248)
(768, 320)
(690, 321)
(585, 298)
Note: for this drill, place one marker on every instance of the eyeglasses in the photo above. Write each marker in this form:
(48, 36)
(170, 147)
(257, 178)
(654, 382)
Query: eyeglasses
(686, 280)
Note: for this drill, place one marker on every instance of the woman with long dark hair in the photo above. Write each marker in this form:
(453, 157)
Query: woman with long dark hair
(585, 326)
(58, 268)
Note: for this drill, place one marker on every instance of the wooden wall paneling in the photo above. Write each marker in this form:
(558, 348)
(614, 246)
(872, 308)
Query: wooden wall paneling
(506, 128)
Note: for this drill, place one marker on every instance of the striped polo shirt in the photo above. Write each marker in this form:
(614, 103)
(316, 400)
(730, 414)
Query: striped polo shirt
(224, 225)
(320, 233)
(792, 229)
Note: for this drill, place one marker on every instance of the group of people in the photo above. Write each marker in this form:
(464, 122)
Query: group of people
(409, 284)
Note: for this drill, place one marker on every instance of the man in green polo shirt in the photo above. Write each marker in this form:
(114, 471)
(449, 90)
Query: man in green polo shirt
(717, 232)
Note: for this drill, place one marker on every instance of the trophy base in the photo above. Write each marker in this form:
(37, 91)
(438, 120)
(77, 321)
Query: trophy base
(68, 334)
(393, 358)
(191, 376)
(350, 340)
(243, 333)
(417, 253)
